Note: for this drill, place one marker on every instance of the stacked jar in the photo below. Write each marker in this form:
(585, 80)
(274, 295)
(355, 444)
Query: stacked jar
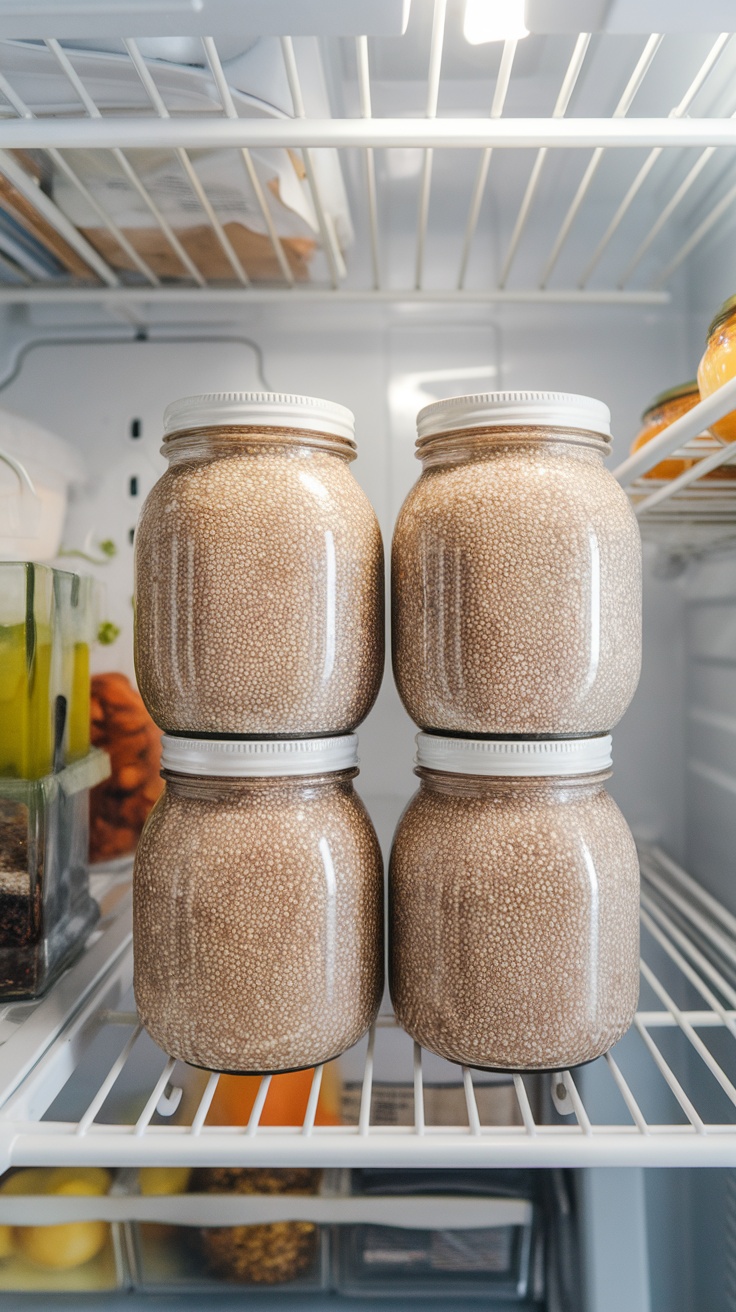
(516, 586)
(259, 649)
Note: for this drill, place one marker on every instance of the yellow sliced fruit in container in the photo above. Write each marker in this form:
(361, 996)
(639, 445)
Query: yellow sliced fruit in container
(58, 1247)
(33, 1180)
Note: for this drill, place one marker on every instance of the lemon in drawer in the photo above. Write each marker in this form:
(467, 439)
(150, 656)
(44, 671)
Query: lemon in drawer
(56, 1247)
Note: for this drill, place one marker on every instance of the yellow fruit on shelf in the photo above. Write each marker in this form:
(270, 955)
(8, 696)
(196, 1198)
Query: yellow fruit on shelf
(59, 1247)
(96, 1178)
(31, 1181)
(6, 1241)
(164, 1179)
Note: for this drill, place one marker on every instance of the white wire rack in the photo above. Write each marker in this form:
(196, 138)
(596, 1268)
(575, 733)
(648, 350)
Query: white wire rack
(694, 512)
(665, 1095)
(669, 130)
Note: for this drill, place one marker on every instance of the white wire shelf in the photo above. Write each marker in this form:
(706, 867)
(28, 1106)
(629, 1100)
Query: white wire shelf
(692, 111)
(695, 512)
(664, 1096)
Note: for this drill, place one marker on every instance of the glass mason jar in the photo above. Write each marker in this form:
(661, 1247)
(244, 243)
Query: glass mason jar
(259, 572)
(513, 904)
(258, 905)
(516, 571)
(718, 364)
(663, 411)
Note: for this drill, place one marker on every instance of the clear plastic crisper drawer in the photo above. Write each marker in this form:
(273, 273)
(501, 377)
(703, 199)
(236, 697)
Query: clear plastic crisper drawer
(289, 1255)
(484, 1260)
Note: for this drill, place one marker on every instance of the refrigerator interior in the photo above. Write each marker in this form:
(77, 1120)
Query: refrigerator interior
(655, 1204)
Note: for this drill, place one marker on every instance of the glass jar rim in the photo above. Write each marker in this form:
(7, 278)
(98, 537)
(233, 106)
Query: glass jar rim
(442, 448)
(476, 784)
(194, 441)
(505, 758)
(672, 394)
(725, 312)
(258, 758)
(232, 783)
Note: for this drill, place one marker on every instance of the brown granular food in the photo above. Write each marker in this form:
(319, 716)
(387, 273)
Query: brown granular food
(262, 1254)
(259, 1254)
(256, 1180)
(18, 916)
(20, 900)
(516, 587)
(250, 954)
(259, 588)
(514, 920)
(13, 837)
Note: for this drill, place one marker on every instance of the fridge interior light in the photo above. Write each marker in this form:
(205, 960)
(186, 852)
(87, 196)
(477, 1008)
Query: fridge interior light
(494, 20)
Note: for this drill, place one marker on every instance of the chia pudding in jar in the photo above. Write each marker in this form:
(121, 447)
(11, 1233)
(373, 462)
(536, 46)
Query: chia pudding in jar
(258, 905)
(259, 572)
(514, 904)
(516, 571)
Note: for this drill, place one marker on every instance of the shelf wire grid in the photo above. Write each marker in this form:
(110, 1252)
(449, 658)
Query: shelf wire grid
(695, 511)
(664, 1096)
(221, 126)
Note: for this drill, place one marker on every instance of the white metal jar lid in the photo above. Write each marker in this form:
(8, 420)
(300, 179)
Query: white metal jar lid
(525, 409)
(514, 756)
(238, 758)
(248, 409)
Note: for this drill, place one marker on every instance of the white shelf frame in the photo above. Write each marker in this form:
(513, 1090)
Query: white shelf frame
(675, 910)
(260, 295)
(426, 1211)
(211, 133)
(687, 515)
(367, 133)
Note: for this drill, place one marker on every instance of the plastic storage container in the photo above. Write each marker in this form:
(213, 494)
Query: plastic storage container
(516, 570)
(491, 1263)
(46, 910)
(34, 485)
(718, 364)
(488, 1255)
(514, 904)
(177, 1259)
(258, 905)
(259, 572)
(290, 1255)
(72, 1257)
(663, 411)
